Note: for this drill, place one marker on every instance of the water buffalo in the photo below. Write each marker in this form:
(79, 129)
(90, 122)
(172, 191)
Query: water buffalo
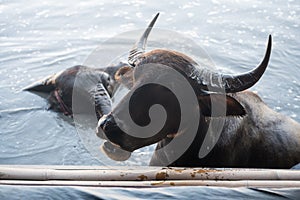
(93, 85)
(253, 135)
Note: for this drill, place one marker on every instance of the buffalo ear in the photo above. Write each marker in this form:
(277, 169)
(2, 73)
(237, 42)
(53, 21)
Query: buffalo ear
(122, 71)
(124, 75)
(220, 105)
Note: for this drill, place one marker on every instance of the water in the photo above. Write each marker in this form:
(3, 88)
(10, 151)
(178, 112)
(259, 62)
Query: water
(41, 38)
(148, 193)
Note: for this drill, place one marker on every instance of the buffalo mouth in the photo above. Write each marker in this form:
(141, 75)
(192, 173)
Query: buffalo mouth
(112, 150)
(115, 152)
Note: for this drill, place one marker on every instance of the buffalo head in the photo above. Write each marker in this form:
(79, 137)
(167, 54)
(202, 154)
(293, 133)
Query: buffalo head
(146, 96)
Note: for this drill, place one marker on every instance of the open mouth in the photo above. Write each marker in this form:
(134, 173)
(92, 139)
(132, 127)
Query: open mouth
(115, 152)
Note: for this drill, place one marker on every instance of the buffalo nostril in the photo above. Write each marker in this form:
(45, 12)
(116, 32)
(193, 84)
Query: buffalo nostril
(108, 122)
(102, 121)
(105, 125)
(100, 127)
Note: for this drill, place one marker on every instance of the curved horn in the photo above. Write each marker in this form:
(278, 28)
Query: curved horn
(139, 46)
(236, 83)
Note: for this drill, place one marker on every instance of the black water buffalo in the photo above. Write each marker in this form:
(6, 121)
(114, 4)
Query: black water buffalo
(253, 135)
(93, 85)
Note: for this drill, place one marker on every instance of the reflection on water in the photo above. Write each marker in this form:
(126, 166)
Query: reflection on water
(38, 39)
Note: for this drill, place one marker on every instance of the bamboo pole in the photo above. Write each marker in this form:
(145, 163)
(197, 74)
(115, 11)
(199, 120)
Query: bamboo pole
(141, 184)
(81, 173)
